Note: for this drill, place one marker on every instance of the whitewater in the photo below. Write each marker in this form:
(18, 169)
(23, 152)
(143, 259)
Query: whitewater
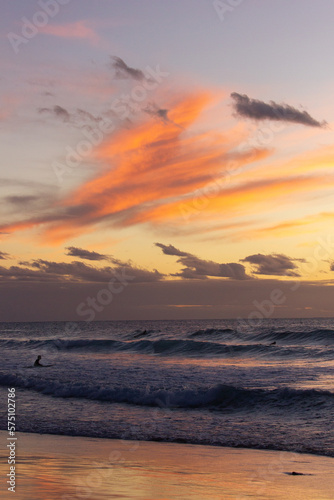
(213, 382)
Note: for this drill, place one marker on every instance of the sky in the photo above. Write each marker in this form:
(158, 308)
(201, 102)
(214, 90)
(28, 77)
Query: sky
(166, 160)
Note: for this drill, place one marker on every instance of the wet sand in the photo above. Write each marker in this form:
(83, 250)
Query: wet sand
(60, 467)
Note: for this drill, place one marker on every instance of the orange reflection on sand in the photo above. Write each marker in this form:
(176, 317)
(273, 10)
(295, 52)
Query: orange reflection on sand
(103, 469)
(45, 478)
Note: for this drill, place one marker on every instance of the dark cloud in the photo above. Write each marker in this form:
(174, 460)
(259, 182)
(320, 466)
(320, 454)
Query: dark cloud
(25, 206)
(21, 201)
(274, 265)
(43, 270)
(86, 116)
(123, 71)
(332, 266)
(85, 254)
(199, 268)
(4, 255)
(78, 117)
(259, 110)
(171, 250)
(57, 111)
(15, 273)
(154, 110)
(163, 114)
(67, 213)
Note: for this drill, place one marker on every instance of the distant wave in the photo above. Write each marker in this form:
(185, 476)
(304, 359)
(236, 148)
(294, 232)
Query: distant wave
(210, 332)
(320, 335)
(219, 396)
(170, 347)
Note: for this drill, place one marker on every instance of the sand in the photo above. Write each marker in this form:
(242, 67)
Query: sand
(60, 467)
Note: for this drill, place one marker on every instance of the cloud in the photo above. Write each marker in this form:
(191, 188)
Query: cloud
(154, 110)
(156, 172)
(259, 110)
(4, 255)
(171, 250)
(78, 29)
(24, 183)
(149, 163)
(231, 199)
(79, 117)
(85, 254)
(123, 71)
(289, 227)
(21, 200)
(199, 268)
(57, 111)
(15, 273)
(43, 270)
(86, 116)
(274, 265)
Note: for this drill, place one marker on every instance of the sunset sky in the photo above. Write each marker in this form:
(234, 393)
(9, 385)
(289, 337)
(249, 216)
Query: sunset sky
(186, 144)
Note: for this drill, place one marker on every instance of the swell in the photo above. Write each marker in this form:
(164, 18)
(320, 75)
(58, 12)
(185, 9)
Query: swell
(213, 332)
(220, 396)
(170, 347)
(320, 335)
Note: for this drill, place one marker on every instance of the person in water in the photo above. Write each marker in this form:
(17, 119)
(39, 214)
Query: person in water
(37, 363)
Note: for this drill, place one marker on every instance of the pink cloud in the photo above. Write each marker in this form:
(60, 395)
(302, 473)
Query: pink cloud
(79, 29)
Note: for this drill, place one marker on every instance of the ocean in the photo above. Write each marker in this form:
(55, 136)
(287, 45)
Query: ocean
(212, 382)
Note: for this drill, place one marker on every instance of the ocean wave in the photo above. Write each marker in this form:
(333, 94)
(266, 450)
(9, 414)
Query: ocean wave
(211, 332)
(169, 347)
(321, 335)
(219, 396)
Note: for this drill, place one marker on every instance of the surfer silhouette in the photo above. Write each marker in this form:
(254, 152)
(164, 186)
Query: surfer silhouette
(37, 363)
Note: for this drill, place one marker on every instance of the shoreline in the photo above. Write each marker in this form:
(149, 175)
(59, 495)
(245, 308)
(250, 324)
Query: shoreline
(72, 467)
(180, 442)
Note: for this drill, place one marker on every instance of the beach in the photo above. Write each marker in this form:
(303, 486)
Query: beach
(61, 467)
(163, 410)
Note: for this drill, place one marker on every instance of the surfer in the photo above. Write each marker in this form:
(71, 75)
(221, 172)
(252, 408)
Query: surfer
(37, 363)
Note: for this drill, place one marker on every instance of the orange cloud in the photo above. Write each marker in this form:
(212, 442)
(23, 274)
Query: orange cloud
(153, 163)
(78, 29)
(161, 165)
(294, 226)
(235, 201)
